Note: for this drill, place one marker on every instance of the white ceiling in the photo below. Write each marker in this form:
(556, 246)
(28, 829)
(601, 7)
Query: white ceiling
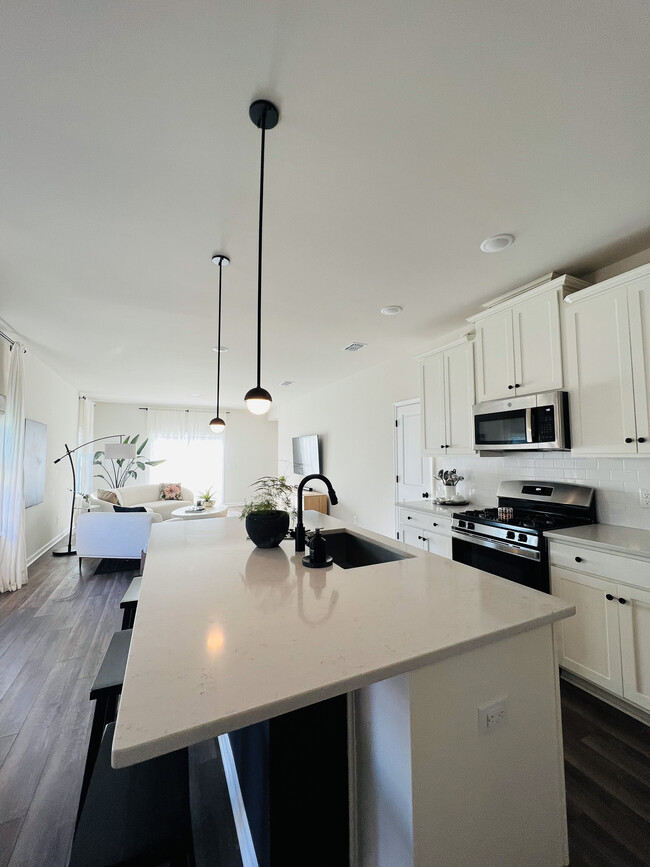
(409, 131)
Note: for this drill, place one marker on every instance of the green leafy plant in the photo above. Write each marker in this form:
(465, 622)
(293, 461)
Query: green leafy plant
(207, 495)
(117, 473)
(270, 494)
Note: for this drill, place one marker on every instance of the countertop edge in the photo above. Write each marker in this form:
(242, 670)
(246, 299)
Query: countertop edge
(124, 757)
(563, 537)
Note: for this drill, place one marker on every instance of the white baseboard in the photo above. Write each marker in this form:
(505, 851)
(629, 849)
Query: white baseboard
(31, 559)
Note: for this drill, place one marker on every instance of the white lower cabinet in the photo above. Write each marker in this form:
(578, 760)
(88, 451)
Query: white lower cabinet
(607, 642)
(429, 532)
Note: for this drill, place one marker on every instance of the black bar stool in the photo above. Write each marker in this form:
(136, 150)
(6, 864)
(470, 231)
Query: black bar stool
(129, 602)
(136, 815)
(105, 690)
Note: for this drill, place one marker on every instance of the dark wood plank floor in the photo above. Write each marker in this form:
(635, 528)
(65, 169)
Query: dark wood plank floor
(53, 634)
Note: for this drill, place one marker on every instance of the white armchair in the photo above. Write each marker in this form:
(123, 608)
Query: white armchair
(114, 535)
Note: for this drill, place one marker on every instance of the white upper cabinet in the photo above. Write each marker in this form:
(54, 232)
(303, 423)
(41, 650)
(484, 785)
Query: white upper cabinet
(608, 365)
(447, 399)
(518, 342)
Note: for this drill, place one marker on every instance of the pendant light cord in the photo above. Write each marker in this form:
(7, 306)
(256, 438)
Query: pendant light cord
(219, 337)
(259, 257)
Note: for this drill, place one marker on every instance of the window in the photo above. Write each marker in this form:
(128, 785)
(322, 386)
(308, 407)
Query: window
(192, 452)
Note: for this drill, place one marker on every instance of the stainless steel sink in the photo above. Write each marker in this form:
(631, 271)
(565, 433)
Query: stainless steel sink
(350, 552)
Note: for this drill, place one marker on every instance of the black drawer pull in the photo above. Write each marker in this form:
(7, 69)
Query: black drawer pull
(609, 597)
(517, 385)
(434, 524)
(511, 386)
(578, 559)
(621, 600)
(629, 440)
(442, 447)
(641, 440)
(408, 518)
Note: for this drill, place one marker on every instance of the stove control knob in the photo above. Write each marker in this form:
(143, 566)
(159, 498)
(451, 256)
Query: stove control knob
(510, 534)
(470, 526)
(522, 537)
(461, 524)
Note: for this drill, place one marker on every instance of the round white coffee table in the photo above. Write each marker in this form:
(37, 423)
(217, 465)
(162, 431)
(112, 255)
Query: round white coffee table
(187, 514)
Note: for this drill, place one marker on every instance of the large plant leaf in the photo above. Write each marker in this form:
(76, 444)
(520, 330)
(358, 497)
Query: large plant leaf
(142, 446)
(154, 463)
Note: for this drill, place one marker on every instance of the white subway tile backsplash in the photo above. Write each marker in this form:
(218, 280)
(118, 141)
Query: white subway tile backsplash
(616, 480)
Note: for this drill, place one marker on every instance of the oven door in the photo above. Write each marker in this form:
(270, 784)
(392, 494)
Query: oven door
(504, 424)
(521, 565)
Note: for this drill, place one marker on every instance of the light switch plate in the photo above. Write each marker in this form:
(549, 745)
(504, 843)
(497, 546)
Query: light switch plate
(644, 498)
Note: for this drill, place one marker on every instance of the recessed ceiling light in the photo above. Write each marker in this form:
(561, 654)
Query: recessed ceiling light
(354, 347)
(223, 349)
(393, 310)
(497, 243)
(287, 382)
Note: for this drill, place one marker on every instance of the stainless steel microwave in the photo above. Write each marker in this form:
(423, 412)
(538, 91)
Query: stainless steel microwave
(533, 422)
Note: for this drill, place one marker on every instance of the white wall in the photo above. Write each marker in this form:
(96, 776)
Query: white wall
(355, 420)
(54, 402)
(251, 442)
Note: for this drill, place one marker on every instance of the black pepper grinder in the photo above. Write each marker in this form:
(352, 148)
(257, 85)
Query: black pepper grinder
(318, 557)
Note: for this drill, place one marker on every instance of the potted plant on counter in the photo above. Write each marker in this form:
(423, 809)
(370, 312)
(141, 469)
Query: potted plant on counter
(269, 511)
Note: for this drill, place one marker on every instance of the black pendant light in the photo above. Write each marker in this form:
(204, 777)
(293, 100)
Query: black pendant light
(265, 116)
(218, 424)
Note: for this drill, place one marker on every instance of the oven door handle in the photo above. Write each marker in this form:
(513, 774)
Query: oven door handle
(464, 536)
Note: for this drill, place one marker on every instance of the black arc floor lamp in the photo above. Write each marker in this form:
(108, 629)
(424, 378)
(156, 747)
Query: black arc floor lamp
(265, 116)
(218, 424)
(115, 452)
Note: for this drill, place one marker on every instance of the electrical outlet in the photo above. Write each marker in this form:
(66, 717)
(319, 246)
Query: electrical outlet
(492, 715)
(354, 519)
(644, 498)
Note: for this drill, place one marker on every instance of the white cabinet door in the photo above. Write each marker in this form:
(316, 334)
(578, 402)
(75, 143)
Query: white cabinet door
(412, 536)
(439, 544)
(459, 398)
(537, 344)
(433, 405)
(639, 307)
(495, 369)
(589, 642)
(600, 375)
(634, 618)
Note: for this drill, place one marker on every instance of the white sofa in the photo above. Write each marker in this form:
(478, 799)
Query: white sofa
(115, 535)
(147, 496)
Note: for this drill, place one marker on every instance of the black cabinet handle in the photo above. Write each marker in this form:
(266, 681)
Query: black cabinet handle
(578, 559)
(622, 601)
(426, 495)
(641, 440)
(442, 447)
(629, 440)
(408, 518)
(511, 386)
(434, 524)
(517, 385)
(609, 597)
(446, 445)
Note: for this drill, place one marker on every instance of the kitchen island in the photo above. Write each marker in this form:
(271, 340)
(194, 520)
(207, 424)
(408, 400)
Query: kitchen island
(228, 635)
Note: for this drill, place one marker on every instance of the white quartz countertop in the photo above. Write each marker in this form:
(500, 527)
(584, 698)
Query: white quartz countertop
(227, 634)
(610, 537)
(431, 508)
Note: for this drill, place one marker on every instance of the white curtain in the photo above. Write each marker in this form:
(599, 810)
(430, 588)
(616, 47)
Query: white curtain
(192, 452)
(13, 557)
(85, 433)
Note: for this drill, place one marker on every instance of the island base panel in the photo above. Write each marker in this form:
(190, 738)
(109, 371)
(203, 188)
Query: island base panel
(293, 776)
(432, 789)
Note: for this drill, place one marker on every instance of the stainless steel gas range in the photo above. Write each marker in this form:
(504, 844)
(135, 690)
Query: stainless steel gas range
(509, 540)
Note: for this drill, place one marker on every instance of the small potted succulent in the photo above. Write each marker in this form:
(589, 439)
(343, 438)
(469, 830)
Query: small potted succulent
(207, 496)
(268, 512)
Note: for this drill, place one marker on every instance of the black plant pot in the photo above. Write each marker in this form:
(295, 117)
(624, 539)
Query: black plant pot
(267, 531)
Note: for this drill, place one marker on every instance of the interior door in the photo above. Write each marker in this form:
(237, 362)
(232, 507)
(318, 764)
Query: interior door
(410, 471)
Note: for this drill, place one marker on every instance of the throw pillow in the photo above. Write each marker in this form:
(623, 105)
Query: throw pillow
(170, 491)
(108, 497)
(129, 509)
